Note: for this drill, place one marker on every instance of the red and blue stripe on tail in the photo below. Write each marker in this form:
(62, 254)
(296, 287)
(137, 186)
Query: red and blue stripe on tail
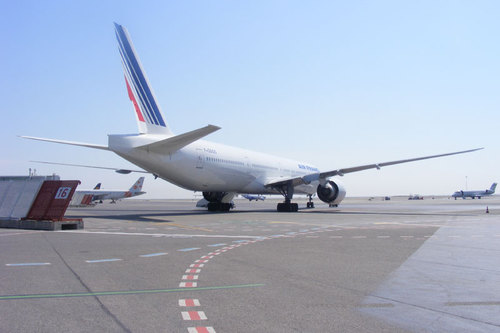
(150, 119)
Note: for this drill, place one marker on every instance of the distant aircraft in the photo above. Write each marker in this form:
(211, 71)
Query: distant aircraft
(218, 171)
(86, 197)
(475, 194)
(254, 197)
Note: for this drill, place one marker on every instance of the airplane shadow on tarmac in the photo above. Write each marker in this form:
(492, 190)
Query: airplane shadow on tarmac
(159, 217)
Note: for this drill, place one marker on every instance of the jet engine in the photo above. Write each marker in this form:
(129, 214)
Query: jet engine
(332, 193)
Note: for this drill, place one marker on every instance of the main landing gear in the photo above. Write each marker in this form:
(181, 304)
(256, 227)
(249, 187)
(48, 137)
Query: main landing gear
(219, 201)
(287, 206)
(310, 203)
(287, 191)
(218, 207)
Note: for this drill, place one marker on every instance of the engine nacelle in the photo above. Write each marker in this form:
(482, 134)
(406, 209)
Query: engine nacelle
(332, 193)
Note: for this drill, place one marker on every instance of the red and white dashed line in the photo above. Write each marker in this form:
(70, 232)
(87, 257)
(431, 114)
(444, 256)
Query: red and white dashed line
(189, 302)
(190, 277)
(208, 329)
(193, 270)
(188, 285)
(196, 265)
(201, 261)
(193, 315)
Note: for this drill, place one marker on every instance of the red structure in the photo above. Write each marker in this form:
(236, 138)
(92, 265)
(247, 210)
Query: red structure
(52, 200)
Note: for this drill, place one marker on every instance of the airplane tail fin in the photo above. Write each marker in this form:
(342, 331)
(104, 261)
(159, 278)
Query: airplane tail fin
(149, 117)
(137, 187)
(493, 187)
(98, 186)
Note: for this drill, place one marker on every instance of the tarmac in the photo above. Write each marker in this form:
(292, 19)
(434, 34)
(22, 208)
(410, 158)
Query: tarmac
(428, 265)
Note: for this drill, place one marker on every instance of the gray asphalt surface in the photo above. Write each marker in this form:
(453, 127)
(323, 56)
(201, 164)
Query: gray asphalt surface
(367, 266)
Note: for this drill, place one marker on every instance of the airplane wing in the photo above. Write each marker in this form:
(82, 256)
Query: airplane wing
(295, 181)
(122, 171)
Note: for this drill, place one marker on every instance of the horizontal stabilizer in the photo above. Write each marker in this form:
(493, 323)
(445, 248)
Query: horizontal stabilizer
(174, 143)
(122, 171)
(73, 143)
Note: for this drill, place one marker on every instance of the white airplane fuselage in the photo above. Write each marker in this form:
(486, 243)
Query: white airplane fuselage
(211, 167)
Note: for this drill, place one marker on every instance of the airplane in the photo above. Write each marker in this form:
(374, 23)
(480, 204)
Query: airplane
(219, 171)
(475, 194)
(254, 197)
(87, 197)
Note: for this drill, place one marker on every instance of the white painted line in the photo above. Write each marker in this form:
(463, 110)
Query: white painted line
(153, 255)
(155, 235)
(193, 315)
(383, 236)
(216, 245)
(20, 233)
(358, 237)
(30, 264)
(189, 302)
(102, 260)
(338, 237)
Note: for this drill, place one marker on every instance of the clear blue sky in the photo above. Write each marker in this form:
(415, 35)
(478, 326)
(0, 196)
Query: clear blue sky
(333, 83)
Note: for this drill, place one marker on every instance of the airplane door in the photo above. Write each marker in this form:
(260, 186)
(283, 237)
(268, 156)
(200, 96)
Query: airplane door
(201, 159)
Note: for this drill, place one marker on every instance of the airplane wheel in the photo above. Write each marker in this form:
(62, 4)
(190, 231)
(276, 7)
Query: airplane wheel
(287, 207)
